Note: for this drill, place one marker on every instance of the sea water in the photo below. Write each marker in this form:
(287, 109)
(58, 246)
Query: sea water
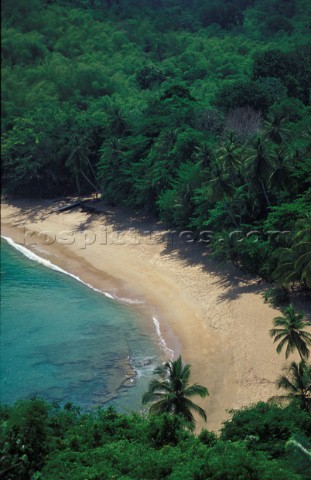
(62, 341)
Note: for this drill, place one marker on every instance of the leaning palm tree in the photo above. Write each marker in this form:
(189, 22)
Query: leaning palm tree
(295, 262)
(258, 164)
(171, 392)
(289, 329)
(297, 382)
(78, 150)
(220, 183)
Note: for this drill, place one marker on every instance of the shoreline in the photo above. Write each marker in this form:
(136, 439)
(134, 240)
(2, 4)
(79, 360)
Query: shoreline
(114, 288)
(128, 302)
(217, 316)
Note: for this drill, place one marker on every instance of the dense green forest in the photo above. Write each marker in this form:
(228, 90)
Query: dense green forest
(42, 441)
(197, 112)
(266, 441)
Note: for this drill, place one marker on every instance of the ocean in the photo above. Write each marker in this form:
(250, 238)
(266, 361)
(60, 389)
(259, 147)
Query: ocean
(66, 342)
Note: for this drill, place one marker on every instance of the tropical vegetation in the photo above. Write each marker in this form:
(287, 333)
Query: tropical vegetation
(170, 393)
(298, 382)
(44, 441)
(195, 112)
(290, 330)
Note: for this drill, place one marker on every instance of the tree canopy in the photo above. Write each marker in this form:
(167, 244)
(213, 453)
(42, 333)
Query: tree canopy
(43, 441)
(139, 100)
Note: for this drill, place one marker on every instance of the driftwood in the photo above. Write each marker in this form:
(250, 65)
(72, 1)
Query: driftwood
(91, 208)
(68, 207)
(85, 206)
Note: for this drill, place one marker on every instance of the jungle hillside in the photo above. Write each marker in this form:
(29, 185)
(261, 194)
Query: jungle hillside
(195, 112)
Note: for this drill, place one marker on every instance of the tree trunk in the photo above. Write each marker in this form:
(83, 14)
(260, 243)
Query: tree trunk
(264, 191)
(92, 169)
(88, 180)
(77, 183)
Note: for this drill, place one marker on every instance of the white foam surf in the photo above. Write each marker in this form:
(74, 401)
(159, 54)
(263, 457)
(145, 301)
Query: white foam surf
(130, 301)
(162, 342)
(42, 261)
(46, 263)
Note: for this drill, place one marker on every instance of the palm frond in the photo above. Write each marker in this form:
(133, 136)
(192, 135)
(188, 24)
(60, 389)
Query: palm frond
(169, 393)
(284, 382)
(281, 345)
(196, 390)
(160, 386)
(196, 408)
(162, 406)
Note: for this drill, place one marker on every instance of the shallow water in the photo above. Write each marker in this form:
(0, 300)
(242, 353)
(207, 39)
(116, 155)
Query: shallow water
(64, 342)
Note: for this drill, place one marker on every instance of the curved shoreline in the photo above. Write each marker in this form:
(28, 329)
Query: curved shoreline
(219, 317)
(128, 301)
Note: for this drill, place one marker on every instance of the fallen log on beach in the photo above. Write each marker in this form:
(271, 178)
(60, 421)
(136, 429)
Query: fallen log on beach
(88, 208)
(69, 207)
(91, 208)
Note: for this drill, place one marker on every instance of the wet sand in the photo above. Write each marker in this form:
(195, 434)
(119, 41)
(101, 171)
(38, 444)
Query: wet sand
(215, 317)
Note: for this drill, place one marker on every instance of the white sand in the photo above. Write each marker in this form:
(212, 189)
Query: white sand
(218, 316)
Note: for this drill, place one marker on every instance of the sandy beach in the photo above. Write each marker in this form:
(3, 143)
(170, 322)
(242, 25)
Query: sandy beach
(215, 317)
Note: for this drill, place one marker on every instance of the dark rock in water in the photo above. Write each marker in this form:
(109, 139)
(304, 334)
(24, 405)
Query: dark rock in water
(129, 382)
(50, 393)
(145, 363)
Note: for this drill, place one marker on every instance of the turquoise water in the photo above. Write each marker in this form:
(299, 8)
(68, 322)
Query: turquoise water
(64, 342)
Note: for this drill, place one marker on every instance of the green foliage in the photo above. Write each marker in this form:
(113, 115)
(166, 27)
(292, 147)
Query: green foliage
(171, 392)
(276, 296)
(176, 205)
(224, 14)
(299, 452)
(289, 331)
(270, 424)
(297, 383)
(140, 98)
(165, 429)
(293, 68)
(295, 261)
(241, 93)
(24, 438)
(275, 24)
(150, 76)
(197, 112)
(256, 443)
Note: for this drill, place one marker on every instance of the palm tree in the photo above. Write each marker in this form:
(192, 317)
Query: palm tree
(78, 150)
(280, 177)
(259, 165)
(291, 333)
(220, 183)
(302, 248)
(275, 129)
(170, 393)
(297, 382)
(229, 156)
(295, 262)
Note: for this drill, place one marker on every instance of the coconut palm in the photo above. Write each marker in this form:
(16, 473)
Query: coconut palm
(171, 392)
(295, 262)
(297, 382)
(259, 164)
(220, 183)
(290, 331)
(78, 150)
(280, 177)
(229, 156)
(275, 127)
(302, 248)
